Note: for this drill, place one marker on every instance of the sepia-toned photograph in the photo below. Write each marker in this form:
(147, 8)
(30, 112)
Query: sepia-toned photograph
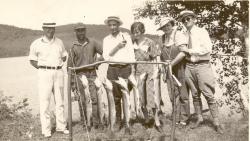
(124, 70)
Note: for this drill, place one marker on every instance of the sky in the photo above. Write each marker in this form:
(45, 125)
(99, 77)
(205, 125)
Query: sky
(32, 13)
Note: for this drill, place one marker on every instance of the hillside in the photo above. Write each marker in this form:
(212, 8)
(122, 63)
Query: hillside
(16, 41)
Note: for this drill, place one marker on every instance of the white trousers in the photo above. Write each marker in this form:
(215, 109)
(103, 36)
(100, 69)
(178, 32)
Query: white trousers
(47, 80)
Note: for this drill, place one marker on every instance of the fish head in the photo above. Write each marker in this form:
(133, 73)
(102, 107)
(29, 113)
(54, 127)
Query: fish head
(84, 80)
(98, 82)
(122, 82)
(133, 81)
(107, 84)
(143, 76)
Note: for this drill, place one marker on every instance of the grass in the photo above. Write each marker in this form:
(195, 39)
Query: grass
(23, 127)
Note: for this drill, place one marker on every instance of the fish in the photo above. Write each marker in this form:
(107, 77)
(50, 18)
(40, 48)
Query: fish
(136, 97)
(88, 101)
(111, 103)
(100, 102)
(143, 93)
(157, 95)
(126, 106)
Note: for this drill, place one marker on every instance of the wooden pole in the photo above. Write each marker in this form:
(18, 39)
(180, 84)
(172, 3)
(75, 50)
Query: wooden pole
(69, 105)
(174, 106)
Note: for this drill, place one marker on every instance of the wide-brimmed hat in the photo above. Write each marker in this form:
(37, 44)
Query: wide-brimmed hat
(186, 13)
(79, 26)
(49, 24)
(164, 22)
(113, 18)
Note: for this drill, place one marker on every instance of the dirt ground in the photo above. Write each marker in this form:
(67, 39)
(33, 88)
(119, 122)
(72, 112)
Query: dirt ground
(18, 79)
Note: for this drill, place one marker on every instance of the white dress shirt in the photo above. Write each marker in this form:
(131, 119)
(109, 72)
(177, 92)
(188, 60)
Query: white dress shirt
(200, 45)
(124, 54)
(47, 53)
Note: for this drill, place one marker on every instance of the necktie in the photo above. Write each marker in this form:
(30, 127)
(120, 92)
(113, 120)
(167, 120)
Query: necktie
(189, 40)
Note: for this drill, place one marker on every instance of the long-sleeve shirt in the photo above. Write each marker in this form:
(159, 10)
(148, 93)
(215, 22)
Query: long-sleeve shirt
(84, 54)
(123, 54)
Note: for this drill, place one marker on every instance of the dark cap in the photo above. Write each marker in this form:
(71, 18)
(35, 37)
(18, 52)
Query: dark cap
(80, 26)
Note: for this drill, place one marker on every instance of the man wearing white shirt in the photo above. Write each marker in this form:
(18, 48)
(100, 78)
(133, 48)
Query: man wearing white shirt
(198, 73)
(47, 54)
(117, 46)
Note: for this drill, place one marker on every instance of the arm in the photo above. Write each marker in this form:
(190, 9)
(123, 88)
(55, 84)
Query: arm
(70, 62)
(64, 52)
(178, 58)
(117, 48)
(34, 63)
(33, 55)
(180, 41)
(98, 48)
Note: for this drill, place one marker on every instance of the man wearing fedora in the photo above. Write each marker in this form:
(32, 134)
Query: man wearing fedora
(47, 54)
(172, 39)
(117, 46)
(83, 52)
(198, 73)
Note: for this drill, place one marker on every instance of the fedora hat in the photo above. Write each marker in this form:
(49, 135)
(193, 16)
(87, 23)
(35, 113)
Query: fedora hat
(164, 22)
(185, 13)
(113, 18)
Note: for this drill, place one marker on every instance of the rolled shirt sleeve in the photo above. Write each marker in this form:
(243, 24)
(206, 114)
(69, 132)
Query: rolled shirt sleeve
(106, 49)
(180, 38)
(33, 54)
(63, 50)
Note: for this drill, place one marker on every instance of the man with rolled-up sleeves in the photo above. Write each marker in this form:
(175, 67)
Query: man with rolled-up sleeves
(117, 46)
(47, 54)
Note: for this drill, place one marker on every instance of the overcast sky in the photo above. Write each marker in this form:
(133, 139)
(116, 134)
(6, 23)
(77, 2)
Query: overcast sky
(31, 13)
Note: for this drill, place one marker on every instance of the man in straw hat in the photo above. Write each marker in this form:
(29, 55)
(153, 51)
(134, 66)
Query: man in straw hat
(199, 74)
(117, 46)
(172, 40)
(47, 54)
(83, 52)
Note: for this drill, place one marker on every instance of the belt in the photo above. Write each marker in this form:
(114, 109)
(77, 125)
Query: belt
(198, 62)
(49, 67)
(118, 65)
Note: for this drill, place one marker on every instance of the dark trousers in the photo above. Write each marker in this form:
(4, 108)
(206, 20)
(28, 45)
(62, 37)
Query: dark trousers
(115, 71)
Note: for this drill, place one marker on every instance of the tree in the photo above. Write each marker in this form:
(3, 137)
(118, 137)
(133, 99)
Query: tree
(228, 26)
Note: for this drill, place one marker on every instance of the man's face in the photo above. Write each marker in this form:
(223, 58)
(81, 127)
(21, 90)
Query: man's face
(168, 28)
(114, 26)
(80, 33)
(188, 21)
(49, 32)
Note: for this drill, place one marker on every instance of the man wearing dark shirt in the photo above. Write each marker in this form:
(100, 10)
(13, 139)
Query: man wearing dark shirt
(83, 52)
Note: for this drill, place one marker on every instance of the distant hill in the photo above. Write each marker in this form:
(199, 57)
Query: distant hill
(15, 41)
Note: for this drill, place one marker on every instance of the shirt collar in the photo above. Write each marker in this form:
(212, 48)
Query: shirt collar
(45, 39)
(118, 35)
(79, 44)
(193, 29)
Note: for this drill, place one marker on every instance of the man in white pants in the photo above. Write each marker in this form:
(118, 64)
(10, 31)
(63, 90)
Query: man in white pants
(47, 54)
